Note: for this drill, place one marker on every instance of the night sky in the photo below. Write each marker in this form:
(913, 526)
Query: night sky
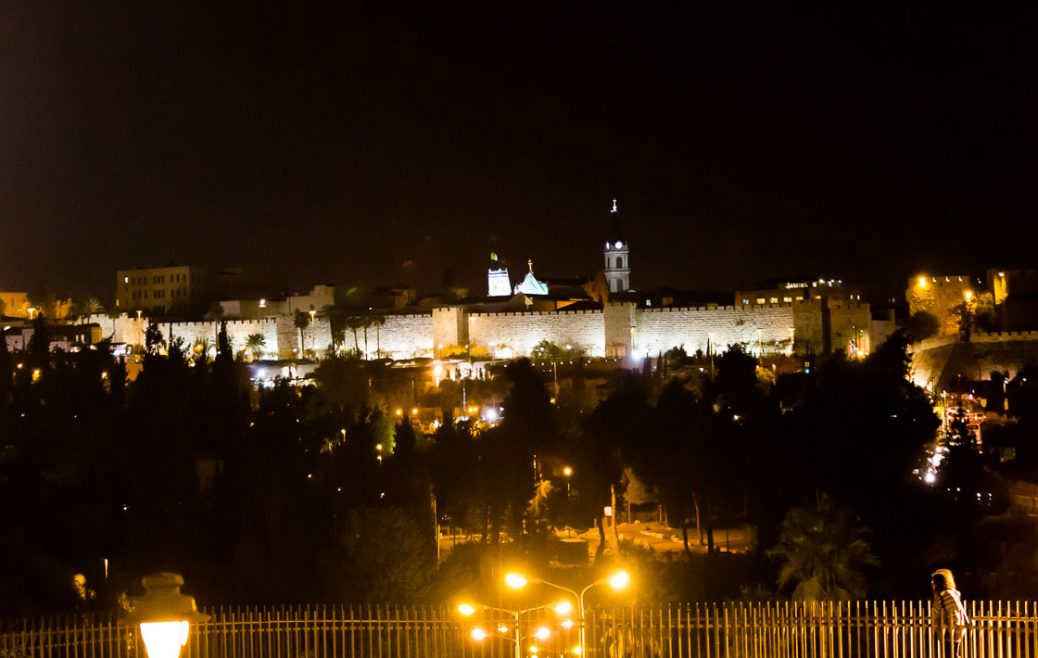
(362, 146)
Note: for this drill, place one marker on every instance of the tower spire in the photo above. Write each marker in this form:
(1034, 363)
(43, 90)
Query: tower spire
(614, 210)
(529, 263)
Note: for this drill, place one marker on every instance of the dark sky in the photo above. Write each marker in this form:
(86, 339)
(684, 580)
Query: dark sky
(377, 147)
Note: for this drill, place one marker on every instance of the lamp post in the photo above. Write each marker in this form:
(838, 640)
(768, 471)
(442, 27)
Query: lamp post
(140, 329)
(618, 580)
(164, 614)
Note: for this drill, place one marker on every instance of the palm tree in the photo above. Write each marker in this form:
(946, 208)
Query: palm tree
(301, 319)
(355, 322)
(113, 314)
(366, 319)
(255, 343)
(378, 321)
(87, 306)
(824, 551)
(336, 315)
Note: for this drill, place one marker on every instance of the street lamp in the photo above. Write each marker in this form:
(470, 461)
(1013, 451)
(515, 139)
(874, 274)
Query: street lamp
(164, 614)
(140, 330)
(618, 580)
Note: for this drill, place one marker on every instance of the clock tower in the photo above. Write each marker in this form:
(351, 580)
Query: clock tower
(617, 256)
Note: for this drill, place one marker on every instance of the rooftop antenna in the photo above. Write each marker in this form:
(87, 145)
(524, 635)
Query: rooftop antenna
(614, 210)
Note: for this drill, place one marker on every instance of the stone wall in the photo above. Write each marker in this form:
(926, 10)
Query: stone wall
(701, 328)
(515, 334)
(807, 325)
(450, 326)
(849, 325)
(287, 337)
(618, 330)
(880, 331)
(619, 320)
(938, 361)
(126, 329)
(402, 337)
(122, 329)
(238, 332)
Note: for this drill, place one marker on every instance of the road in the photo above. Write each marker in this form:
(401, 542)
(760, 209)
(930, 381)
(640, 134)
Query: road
(656, 537)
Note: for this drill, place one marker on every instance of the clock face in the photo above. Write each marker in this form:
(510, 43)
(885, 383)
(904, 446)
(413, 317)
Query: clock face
(618, 244)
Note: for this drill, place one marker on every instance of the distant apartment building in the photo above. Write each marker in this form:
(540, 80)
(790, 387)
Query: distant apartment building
(161, 290)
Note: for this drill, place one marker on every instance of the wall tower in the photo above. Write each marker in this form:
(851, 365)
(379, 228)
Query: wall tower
(617, 256)
(498, 283)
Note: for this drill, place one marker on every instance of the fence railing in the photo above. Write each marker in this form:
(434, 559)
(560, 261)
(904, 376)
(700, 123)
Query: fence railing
(883, 629)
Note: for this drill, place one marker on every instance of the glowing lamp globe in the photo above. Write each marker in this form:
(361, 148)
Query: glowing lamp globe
(164, 614)
(515, 580)
(620, 580)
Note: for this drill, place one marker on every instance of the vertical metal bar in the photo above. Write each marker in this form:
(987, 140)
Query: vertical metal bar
(671, 628)
(1032, 629)
(353, 634)
(701, 632)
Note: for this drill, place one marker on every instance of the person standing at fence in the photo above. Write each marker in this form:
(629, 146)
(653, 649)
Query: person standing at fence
(949, 615)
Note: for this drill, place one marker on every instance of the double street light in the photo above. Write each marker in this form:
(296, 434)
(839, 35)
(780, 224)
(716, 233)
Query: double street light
(618, 580)
(541, 633)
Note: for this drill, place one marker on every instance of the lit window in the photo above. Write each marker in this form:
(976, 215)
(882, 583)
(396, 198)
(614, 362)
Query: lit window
(760, 300)
(773, 300)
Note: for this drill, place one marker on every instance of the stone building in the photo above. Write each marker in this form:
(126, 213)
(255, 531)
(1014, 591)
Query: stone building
(161, 290)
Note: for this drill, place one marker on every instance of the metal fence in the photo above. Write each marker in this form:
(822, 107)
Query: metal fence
(900, 629)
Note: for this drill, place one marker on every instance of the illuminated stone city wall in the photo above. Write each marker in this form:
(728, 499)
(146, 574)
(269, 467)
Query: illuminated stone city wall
(660, 329)
(127, 329)
(122, 329)
(619, 320)
(619, 330)
(850, 328)
(515, 334)
(401, 337)
(238, 332)
(936, 362)
(450, 327)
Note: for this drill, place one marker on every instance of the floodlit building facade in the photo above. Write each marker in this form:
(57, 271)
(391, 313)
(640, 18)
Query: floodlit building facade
(160, 290)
